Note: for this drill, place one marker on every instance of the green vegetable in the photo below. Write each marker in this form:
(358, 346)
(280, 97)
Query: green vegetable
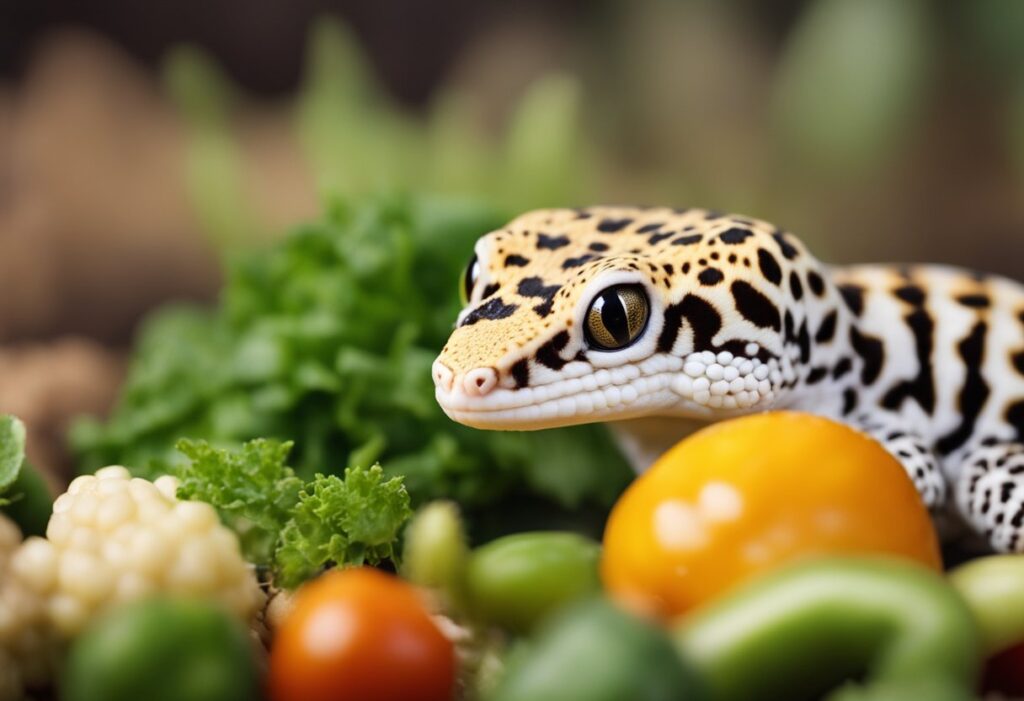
(162, 650)
(801, 631)
(517, 580)
(31, 502)
(595, 652)
(328, 339)
(350, 522)
(292, 527)
(994, 590)
(435, 552)
(253, 490)
(24, 496)
(12, 450)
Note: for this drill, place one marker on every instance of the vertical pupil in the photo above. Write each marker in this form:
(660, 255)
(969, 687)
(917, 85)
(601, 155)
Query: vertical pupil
(472, 272)
(613, 316)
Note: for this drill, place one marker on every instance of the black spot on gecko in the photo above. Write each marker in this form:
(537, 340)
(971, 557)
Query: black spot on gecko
(853, 295)
(735, 235)
(494, 309)
(598, 247)
(669, 270)
(815, 282)
(613, 226)
(803, 339)
(490, 290)
(648, 228)
(710, 276)
(577, 262)
(755, 307)
(975, 301)
(871, 351)
(516, 260)
(788, 250)
(551, 243)
(911, 294)
(975, 390)
(1015, 417)
(1018, 361)
(521, 373)
(816, 375)
(688, 240)
(658, 238)
(796, 288)
(769, 266)
(922, 388)
(549, 354)
(849, 401)
(842, 368)
(704, 320)
(535, 287)
(827, 331)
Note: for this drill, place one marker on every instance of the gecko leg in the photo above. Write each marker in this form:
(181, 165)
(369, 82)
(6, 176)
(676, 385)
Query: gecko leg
(990, 494)
(913, 453)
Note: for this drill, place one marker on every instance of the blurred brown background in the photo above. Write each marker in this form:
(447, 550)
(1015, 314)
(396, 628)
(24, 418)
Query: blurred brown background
(142, 142)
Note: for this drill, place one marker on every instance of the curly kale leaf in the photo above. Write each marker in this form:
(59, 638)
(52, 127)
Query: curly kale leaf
(353, 521)
(293, 528)
(253, 490)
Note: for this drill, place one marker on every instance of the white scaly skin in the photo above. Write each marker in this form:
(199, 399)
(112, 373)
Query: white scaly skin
(742, 319)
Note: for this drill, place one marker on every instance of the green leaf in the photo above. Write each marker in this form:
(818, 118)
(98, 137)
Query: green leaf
(252, 489)
(12, 450)
(353, 521)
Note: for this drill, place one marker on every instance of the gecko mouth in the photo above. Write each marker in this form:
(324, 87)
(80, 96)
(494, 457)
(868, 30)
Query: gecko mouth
(700, 385)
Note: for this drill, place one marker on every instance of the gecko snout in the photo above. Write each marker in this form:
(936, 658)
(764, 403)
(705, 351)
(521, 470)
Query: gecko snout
(475, 383)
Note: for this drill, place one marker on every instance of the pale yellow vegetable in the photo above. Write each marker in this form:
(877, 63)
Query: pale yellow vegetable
(27, 645)
(114, 539)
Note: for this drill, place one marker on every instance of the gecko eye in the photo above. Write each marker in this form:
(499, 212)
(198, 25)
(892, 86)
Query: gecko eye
(469, 278)
(617, 317)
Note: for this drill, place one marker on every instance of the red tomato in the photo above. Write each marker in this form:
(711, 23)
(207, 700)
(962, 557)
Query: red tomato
(1004, 673)
(360, 635)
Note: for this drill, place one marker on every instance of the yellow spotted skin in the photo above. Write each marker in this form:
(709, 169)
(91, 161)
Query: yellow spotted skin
(740, 318)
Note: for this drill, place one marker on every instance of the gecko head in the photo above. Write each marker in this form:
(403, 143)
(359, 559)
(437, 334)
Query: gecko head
(575, 316)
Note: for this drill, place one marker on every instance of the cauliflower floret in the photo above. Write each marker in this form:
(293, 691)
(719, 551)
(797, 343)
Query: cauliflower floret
(27, 647)
(113, 539)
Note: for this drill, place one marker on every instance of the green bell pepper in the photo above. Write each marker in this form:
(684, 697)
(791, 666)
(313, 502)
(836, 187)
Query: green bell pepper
(994, 590)
(517, 580)
(805, 630)
(592, 651)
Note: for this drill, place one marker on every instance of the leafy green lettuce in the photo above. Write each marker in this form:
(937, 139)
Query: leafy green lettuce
(12, 452)
(327, 339)
(292, 528)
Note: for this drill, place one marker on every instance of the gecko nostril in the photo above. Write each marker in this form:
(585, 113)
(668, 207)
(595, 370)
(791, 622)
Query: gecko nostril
(480, 381)
(443, 376)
